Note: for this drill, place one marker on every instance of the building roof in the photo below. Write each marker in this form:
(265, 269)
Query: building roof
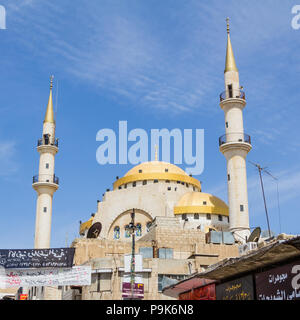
(275, 252)
(200, 202)
(157, 170)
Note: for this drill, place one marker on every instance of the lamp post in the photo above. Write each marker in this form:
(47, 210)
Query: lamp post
(132, 228)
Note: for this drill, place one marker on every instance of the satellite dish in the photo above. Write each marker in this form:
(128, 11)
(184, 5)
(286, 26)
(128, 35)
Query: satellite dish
(254, 236)
(94, 231)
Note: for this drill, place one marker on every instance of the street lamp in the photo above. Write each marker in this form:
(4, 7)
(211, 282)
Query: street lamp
(131, 228)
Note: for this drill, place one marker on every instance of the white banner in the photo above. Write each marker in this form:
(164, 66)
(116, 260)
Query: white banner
(15, 278)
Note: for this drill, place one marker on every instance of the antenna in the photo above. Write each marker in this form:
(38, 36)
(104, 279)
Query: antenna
(260, 169)
(277, 184)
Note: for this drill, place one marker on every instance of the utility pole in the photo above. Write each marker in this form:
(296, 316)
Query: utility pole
(260, 169)
(132, 228)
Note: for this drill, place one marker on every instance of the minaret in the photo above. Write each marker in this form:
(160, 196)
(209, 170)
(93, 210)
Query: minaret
(45, 183)
(235, 145)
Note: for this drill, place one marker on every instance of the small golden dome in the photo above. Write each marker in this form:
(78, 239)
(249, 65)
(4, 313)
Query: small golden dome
(199, 202)
(157, 170)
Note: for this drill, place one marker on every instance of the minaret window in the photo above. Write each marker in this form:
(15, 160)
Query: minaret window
(47, 165)
(226, 124)
(228, 177)
(241, 207)
(45, 209)
(230, 94)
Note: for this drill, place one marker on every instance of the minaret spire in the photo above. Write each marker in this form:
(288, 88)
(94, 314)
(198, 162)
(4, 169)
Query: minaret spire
(230, 64)
(49, 117)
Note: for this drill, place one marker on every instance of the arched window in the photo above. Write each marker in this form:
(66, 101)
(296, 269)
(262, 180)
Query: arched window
(148, 225)
(127, 232)
(117, 233)
(138, 230)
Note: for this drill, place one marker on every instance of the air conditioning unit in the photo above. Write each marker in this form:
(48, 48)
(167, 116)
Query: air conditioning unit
(247, 247)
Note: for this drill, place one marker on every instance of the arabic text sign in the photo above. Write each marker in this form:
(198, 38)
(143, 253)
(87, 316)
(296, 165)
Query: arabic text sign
(138, 290)
(282, 283)
(239, 289)
(37, 258)
(15, 278)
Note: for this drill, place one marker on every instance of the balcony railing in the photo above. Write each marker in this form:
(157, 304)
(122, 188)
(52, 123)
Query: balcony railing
(46, 178)
(234, 137)
(232, 94)
(47, 142)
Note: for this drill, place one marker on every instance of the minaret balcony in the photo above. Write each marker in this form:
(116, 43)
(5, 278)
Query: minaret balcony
(47, 142)
(235, 141)
(45, 179)
(232, 94)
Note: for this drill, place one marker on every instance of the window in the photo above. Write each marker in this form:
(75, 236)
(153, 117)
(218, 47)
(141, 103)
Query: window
(220, 218)
(178, 182)
(45, 209)
(120, 187)
(165, 253)
(155, 181)
(208, 216)
(230, 94)
(140, 171)
(47, 165)
(187, 185)
(117, 233)
(127, 233)
(148, 225)
(167, 181)
(204, 203)
(226, 124)
(125, 186)
(241, 207)
(146, 252)
(183, 217)
(228, 177)
(196, 216)
(144, 182)
(134, 183)
(169, 188)
(166, 170)
(138, 231)
(160, 279)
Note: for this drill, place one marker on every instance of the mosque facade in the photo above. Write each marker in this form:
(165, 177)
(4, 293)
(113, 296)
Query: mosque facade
(178, 229)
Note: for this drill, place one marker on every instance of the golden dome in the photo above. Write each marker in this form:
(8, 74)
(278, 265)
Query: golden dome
(155, 167)
(199, 202)
(157, 170)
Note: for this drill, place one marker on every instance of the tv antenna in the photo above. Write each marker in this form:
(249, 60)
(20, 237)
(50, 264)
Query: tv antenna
(260, 169)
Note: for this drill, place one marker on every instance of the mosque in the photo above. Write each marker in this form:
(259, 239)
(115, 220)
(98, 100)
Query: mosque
(178, 228)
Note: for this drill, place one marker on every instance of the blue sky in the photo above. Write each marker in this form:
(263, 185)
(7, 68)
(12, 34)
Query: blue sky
(156, 64)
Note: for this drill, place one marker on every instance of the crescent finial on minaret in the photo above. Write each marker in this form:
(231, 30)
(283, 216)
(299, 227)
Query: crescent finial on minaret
(49, 117)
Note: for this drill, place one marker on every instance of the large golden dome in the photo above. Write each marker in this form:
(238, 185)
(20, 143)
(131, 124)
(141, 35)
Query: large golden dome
(157, 170)
(199, 202)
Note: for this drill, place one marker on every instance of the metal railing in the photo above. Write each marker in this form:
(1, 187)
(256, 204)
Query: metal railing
(46, 178)
(232, 94)
(46, 142)
(234, 137)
